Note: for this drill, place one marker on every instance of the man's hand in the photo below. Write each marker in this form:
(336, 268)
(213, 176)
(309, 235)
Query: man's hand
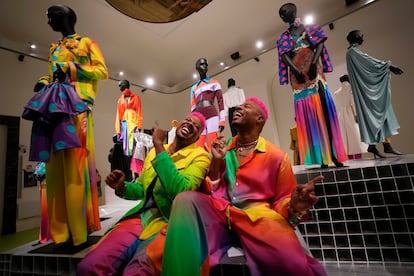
(158, 136)
(303, 196)
(218, 147)
(115, 179)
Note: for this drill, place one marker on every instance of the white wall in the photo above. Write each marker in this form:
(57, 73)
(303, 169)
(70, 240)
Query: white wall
(385, 24)
(387, 29)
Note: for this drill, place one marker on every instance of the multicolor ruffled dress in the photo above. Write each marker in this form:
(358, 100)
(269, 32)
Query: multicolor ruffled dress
(315, 145)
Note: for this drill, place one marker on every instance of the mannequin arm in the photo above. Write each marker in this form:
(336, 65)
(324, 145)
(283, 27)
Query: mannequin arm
(396, 70)
(312, 69)
(300, 77)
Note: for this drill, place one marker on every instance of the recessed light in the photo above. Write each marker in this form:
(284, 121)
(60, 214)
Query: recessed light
(31, 45)
(259, 44)
(308, 19)
(150, 81)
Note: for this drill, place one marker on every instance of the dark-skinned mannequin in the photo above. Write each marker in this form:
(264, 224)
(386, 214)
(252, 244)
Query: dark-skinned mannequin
(370, 82)
(129, 109)
(128, 124)
(203, 95)
(71, 180)
(303, 59)
(66, 27)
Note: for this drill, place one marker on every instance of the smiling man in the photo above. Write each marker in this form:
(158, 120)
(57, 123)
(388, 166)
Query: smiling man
(254, 200)
(168, 170)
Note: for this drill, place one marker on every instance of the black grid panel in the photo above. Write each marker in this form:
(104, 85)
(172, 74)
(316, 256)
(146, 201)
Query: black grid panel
(364, 215)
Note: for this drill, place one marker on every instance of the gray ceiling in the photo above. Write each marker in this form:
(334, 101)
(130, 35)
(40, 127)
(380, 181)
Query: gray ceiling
(165, 52)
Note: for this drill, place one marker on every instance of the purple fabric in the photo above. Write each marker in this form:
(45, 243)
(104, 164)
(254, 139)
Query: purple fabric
(50, 110)
(113, 252)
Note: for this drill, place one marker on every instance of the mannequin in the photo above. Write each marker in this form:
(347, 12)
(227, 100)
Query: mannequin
(71, 180)
(368, 74)
(303, 59)
(233, 97)
(129, 110)
(128, 123)
(203, 94)
(348, 119)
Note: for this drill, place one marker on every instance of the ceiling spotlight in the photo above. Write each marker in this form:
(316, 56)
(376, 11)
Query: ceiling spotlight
(308, 19)
(259, 44)
(222, 64)
(121, 73)
(150, 81)
(195, 76)
(31, 45)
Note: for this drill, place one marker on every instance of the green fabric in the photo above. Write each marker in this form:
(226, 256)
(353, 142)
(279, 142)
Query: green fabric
(184, 170)
(370, 82)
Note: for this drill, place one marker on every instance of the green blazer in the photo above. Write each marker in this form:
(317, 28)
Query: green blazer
(184, 170)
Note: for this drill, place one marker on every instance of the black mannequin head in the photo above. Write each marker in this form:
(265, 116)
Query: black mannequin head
(287, 12)
(202, 67)
(355, 37)
(344, 78)
(62, 19)
(231, 82)
(123, 84)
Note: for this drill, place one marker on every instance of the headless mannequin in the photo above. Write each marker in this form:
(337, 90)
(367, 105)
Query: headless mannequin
(233, 97)
(348, 119)
(231, 83)
(356, 37)
(287, 13)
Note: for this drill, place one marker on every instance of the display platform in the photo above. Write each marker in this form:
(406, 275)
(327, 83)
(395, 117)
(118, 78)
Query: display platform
(363, 224)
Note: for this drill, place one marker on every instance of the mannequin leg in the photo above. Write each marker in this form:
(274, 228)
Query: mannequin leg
(388, 148)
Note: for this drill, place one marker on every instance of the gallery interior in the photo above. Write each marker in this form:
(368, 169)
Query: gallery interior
(363, 223)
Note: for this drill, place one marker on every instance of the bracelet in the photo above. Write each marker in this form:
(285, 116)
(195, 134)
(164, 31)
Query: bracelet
(295, 216)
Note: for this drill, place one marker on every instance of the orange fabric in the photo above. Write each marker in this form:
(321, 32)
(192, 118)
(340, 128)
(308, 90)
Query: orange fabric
(155, 249)
(133, 104)
(206, 143)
